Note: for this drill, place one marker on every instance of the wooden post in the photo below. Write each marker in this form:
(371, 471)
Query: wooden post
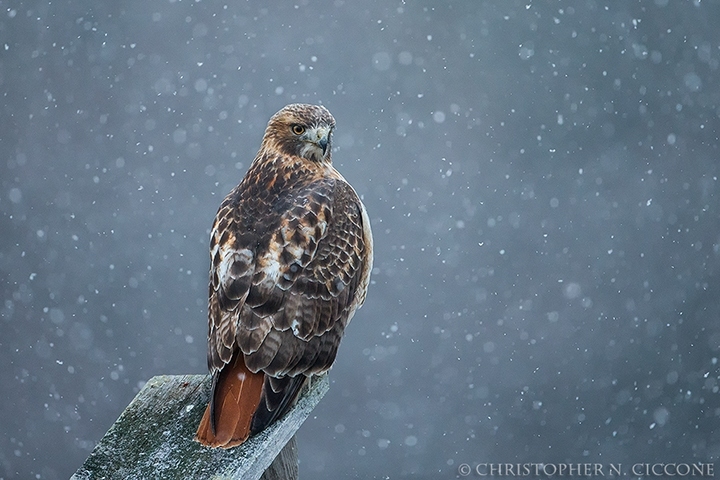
(153, 438)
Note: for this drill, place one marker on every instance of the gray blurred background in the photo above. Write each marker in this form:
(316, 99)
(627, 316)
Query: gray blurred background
(542, 179)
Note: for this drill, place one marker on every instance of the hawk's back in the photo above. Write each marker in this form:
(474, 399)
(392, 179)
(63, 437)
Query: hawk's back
(291, 254)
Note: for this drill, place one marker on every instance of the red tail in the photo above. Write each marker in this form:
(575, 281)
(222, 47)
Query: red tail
(235, 398)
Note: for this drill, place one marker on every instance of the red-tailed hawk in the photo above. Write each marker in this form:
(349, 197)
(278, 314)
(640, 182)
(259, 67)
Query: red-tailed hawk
(291, 254)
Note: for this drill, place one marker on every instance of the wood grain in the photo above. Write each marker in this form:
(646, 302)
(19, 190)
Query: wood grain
(153, 438)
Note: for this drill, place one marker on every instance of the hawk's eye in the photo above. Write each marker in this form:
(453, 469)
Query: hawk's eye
(298, 129)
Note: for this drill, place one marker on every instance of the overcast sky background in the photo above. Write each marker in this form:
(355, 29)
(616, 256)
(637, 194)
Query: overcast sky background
(542, 179)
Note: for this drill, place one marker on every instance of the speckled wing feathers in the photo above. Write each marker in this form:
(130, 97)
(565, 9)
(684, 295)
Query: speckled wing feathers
(296, 288)
(291, 254)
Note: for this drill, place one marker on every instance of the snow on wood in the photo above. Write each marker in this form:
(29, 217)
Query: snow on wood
(153, 438)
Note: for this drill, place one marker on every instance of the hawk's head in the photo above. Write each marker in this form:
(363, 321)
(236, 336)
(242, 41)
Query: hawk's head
(301, 130)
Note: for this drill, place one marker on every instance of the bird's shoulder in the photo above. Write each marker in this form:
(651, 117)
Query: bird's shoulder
(276, 187)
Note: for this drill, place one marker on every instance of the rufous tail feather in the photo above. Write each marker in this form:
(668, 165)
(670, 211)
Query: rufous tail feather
(233, 402)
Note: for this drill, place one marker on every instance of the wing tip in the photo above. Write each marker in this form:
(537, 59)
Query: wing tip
(275, 404)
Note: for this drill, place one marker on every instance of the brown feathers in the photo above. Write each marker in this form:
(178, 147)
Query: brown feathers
(291, 255)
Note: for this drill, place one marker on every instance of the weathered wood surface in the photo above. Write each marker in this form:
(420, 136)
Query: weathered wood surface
(153, 438)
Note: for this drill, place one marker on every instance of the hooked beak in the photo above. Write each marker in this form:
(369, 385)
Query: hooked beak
(323, 137)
